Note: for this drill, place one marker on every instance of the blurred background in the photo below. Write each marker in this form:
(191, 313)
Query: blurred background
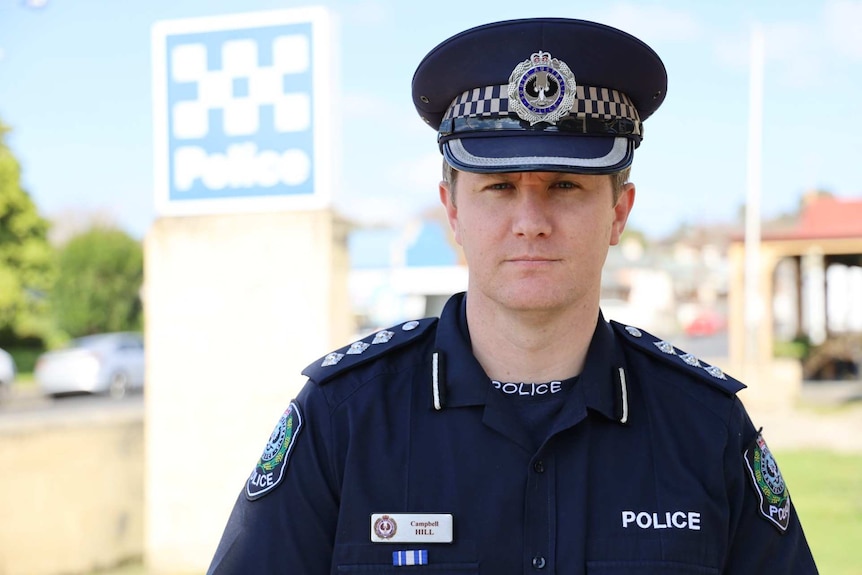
(744, 248)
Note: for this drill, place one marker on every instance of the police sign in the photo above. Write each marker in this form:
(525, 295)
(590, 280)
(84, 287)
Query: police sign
(242, 112)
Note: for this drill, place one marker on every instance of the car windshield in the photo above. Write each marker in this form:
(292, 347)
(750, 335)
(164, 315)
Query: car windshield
(102, 340)
(88, 341)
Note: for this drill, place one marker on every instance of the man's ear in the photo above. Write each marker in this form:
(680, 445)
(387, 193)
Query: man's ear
(447, 198)
(622, 209)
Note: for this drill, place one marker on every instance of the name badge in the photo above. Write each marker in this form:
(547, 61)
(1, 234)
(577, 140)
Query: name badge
(411, 528)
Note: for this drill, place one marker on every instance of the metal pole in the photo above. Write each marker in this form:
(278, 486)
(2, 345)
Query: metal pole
(753, 303)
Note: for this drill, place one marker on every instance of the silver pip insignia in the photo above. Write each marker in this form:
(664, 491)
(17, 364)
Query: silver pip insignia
(382, 337)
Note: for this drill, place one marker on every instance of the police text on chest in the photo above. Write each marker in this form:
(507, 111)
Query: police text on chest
(667, 520)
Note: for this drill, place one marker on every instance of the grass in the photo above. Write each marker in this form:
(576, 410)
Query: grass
(131, 568)
(827, 491)
(25, 379)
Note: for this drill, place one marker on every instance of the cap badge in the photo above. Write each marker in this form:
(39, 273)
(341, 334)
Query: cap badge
(541, 89)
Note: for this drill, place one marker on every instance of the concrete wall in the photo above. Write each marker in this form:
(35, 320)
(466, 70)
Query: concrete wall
(71, 492)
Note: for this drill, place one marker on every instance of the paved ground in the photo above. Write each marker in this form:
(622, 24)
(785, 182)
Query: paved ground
(827, 416)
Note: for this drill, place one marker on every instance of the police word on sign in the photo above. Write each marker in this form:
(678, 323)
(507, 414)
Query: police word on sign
(260, 92)
(241, 167)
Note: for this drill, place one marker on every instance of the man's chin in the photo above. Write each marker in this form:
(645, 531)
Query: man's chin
(538, 300)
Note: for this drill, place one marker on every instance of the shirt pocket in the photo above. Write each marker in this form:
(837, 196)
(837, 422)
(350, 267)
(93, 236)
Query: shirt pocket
(377, 558)
(646, 568)
(680, 553)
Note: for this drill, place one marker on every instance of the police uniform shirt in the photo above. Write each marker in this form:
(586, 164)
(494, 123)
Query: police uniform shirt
(650, 466)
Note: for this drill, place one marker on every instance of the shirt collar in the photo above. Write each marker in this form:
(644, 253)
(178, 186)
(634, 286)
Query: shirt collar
(463, 382)
(603, 378)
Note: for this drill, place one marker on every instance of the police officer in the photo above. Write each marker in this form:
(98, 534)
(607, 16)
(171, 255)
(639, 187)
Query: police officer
(521, 432)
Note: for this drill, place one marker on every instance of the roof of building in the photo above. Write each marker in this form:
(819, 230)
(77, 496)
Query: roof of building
(823, 217)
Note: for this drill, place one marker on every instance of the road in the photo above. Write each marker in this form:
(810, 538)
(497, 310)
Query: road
(25, 405)
(828, 415)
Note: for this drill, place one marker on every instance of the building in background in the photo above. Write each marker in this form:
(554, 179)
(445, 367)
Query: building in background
(811, 267)
(403, 273)
(668, 288)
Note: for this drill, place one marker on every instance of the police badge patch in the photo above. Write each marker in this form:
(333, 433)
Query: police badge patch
(768, 483)
(270, 468)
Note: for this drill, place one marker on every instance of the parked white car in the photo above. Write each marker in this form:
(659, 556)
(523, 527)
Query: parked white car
(109, 363)
(7, 372)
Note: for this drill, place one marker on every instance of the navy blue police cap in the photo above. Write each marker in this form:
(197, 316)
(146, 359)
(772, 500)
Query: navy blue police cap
(540, 94)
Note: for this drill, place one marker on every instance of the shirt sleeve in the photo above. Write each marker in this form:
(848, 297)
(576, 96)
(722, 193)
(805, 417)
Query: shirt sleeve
(288, 526)
(766, 534)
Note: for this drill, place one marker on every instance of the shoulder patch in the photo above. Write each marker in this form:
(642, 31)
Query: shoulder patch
(683, 361)
(269, 471)
(366, 349)
(768, 483)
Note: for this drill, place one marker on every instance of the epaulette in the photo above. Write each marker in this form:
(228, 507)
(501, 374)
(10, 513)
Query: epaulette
(677, 358)
(366, 349)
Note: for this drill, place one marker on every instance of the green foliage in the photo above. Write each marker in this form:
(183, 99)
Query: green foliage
(24, 357)
(97, 290)
(631, 233)
(796, 349)
(26, 258)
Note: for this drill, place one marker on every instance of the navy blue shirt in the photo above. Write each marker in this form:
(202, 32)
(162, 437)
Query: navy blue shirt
(651, 465)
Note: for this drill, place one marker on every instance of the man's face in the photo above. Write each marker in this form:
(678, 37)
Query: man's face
(536, 241)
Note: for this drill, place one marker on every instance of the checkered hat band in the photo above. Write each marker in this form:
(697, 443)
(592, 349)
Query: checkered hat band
(590, 102)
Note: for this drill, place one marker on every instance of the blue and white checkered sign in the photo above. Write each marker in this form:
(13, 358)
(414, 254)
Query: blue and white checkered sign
(237, 103)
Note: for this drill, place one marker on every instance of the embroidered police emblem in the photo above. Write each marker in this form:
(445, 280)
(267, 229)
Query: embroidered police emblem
(767, 481)
(541, 89)
(270, 468)
(385, 527)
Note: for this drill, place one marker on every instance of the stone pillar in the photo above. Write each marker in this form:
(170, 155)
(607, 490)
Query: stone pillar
(814, 295)
(773, 384)
(236, 306)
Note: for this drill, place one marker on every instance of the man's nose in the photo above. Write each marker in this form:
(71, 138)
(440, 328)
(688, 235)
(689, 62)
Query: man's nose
(532, 217)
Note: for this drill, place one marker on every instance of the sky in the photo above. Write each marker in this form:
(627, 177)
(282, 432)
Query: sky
(75, 87)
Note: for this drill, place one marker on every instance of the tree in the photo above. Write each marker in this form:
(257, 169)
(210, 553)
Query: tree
(26, 257)
(98, 284)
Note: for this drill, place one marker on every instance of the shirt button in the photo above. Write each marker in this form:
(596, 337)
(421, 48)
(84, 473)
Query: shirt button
(539, 562)
(539, 467)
